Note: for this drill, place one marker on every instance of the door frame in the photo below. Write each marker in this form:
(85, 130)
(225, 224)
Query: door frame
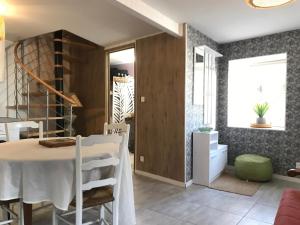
(107, 87)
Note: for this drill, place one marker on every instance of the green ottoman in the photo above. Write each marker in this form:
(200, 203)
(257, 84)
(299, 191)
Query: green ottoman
(253, 167)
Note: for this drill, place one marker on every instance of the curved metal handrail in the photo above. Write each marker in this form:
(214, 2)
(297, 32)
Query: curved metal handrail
(36, 78)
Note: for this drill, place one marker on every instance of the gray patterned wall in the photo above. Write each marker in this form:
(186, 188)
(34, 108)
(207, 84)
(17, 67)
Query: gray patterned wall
(283, 147)
(193, 113)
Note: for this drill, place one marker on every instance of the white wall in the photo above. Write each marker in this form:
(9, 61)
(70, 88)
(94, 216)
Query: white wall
(4, 92)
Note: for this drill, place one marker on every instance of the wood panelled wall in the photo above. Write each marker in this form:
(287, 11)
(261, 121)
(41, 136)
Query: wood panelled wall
(160, 119)
(88, 82)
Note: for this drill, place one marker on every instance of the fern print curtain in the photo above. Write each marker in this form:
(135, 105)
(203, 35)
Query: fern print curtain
(123, 98)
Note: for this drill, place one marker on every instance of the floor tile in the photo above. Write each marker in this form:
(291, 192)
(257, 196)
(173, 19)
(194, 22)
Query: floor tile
(209, 216)
(149, 217)
(175, 208)
(159, 203)
(230, 204)
(246, 221)
(200, 196)
(262, 213)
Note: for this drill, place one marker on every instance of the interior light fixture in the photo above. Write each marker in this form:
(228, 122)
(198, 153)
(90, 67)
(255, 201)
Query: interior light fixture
(7, 9)
(3, 7)
(265, 4)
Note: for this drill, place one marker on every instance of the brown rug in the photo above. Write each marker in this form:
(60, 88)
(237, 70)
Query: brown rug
(230, 183)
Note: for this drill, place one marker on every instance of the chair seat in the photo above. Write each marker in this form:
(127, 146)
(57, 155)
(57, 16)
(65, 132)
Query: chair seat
(95, 197)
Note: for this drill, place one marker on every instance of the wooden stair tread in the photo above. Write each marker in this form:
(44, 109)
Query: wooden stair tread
(78, 44)
(53, 80)
(30, 134)
(66, 70)
(68, 57)
(34, 106)
(44, 118)
(38, 93)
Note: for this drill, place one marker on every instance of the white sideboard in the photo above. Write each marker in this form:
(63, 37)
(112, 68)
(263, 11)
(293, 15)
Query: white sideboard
(209, 157)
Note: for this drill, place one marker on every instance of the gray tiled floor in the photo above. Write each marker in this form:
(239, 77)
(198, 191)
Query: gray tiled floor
(163, 204)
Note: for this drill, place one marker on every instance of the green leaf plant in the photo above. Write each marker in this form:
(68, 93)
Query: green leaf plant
(261, 109)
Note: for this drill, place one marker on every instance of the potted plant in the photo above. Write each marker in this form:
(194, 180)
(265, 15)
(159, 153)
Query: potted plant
(261, 110)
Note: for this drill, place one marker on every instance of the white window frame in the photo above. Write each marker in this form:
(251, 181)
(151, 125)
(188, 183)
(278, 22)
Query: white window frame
(280, 55)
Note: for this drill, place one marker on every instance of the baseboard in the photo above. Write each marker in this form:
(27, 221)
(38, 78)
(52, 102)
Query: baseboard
(230, 170)
(286, 178)
(160, 178)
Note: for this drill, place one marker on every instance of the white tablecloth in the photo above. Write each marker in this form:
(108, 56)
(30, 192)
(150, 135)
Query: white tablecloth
(36, 174)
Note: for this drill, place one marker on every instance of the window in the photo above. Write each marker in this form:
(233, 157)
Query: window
(257, 80)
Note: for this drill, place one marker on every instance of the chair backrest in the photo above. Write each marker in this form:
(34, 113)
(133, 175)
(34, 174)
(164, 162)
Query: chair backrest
(12, 130)
(116, 161)
(117, 128)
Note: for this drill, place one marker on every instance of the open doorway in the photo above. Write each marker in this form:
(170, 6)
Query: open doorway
(121, 103)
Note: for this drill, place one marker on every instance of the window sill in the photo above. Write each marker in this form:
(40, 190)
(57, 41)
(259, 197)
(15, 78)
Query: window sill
(253, 128)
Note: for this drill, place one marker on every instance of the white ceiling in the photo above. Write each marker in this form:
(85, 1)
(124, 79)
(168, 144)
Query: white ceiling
(96, 20)
(105, 24)
(230, 20)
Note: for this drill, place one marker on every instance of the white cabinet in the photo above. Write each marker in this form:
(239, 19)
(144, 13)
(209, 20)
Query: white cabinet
(209, 158)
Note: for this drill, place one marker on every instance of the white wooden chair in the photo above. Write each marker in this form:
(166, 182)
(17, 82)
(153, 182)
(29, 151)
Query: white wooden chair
(98, 192)
(13, 129)
(119, 128)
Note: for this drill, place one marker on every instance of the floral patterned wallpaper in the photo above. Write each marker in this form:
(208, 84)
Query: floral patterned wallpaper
(283, 147)
(193, 113)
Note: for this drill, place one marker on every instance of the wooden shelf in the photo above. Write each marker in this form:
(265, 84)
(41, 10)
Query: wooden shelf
(213, 142)
(255, 125)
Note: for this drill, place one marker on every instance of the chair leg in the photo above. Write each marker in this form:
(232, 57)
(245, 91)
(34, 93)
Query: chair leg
(21, 213)
(54, 217)
(5, 214)
(102, 215)
(115, 213)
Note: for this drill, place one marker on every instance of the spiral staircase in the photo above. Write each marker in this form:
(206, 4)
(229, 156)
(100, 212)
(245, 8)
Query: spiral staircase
(41, 80)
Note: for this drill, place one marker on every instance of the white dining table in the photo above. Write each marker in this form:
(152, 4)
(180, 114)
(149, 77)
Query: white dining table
(36, 174)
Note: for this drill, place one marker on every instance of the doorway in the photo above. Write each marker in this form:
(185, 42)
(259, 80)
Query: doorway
(121, 90)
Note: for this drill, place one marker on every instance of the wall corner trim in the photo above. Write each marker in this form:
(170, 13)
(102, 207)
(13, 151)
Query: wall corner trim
(160, 178)
(188, 183)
